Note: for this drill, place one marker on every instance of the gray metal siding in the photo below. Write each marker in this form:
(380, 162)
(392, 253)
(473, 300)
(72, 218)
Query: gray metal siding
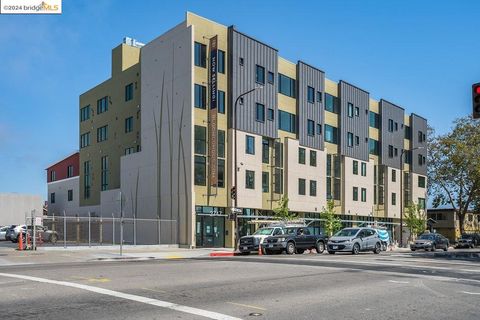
(417, 124)
(243, 78)
(356, 125)
(390, 111)
(308, 76)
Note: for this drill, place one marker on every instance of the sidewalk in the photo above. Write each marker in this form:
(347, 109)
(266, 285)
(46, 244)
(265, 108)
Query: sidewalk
(53, 255)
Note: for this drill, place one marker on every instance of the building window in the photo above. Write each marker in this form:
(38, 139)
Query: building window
(278, 181)
(129, 150)
(374, 147)
(301, 187)
(350, 110)
(69, 171)
(241, 61)
(331, 103)
(390, 151)
(374, 120)
(249, 179)
(395, 152)
(260, 113)
(85, 113)
(102, 105)
(86, 180)
(357, 112)
(200, 140)
(364, 169)
(52, 197)
(394, 199)
(364, 195)
(355, 193)
(313, 158)
(128, 124)
(270, 114)
(313, 188)
(421, 182)
(421, 136)
(421, 160)
(271, 77)
(260, 74)
(104, 173)
(396, 126)
(70, 195)
(286, 85)
(310, 94)
(265, 150)
(221, 143)
(249, 144)
(349, 139)
(390, 125)
(421, 203)
(319, 128)
(200, 55)
(394, 175)
(221, 61)
(129, 92)
(310, 127)
(408, 133)
(200, 171)
(265, 182)
(331, 134)
(301, 155)
(221, 173)
(221, 101)
(319, 96)
(200, 96)
(355, 167)
(357, 140)
(286, 121)
(102, 133)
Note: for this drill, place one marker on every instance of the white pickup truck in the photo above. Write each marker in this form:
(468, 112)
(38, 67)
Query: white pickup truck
(252, 242)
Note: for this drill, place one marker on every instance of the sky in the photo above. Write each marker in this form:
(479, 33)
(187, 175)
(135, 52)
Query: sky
(421, 55)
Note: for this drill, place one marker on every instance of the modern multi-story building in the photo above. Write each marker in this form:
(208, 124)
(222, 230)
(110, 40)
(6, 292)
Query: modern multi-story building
(447, 222)
(159, 137)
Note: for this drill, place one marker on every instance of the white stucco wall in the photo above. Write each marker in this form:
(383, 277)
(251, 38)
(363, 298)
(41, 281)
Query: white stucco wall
(60, 188)
(351, 180)
(392, 211)
(14, 206)
(418, 192)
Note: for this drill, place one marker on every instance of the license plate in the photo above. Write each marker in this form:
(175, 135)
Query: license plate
(334, 247)
(270, 245)
(245, 248)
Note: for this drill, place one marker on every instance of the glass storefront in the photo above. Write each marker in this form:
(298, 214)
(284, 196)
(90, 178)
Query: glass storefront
(210, 227)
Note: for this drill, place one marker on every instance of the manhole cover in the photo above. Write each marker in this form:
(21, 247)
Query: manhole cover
(255, 314)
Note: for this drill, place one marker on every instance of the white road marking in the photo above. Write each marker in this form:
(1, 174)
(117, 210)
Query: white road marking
(154, 302)
(475, 293)
(395, 281)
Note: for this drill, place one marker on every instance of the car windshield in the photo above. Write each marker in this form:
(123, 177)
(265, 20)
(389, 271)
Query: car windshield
(426, 237)
(346, 233)
(263, 232)
(466, 236)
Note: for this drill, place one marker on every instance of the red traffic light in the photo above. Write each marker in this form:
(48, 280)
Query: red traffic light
(477, 90)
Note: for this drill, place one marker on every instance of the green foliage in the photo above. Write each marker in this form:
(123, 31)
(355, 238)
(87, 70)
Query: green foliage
(415, 219)
(332, 222)
(454, 167)
(282, 212)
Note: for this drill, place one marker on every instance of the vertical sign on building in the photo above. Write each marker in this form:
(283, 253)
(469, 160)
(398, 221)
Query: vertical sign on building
(212, 113)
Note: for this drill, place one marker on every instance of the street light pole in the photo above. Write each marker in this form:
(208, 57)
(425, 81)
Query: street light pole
(401, 192)
(235, 161)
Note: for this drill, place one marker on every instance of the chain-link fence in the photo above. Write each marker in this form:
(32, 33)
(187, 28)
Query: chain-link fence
(92, 231)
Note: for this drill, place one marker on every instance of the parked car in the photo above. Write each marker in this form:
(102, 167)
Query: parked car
(42, 233)
(12, 233)
(355, 240)
(468, 240)
(294, 240)
(252, 242)
(430, 241)
(3, 232)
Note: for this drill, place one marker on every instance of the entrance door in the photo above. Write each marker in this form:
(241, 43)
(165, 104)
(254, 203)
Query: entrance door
(210, 231)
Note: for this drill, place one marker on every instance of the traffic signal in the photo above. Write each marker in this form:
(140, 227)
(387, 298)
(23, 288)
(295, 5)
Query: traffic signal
(233, 193)
(476, 100)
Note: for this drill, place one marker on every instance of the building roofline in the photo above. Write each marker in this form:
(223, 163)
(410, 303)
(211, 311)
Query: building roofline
(343, 81)
(309, 65)
(64, 158)
(417, 115)
(232, 27)
(396, 105)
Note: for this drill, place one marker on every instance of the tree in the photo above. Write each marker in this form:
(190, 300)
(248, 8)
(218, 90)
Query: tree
(332, 222)
(282, 212)
(415, 219)
(454, 167)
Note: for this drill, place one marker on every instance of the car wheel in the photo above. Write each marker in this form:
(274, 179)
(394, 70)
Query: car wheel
(412, 249)
(331, 252)
(433, 248)
(356, 248)
(320, 247)
(300, 251)
(53, 238)
(290, 248)
(268, 251)
(446, 248)
(377, 249)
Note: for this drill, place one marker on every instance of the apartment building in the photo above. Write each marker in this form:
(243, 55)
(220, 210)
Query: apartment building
(159, 137)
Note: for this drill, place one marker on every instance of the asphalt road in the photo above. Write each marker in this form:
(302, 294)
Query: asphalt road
(309, 286)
